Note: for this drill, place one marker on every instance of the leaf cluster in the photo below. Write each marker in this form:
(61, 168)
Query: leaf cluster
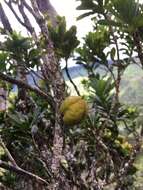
(65, 41)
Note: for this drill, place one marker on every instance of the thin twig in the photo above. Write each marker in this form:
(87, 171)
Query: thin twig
(8, 153)
(70, 79)
(21, 171)
(4, 20)
(9, 4)
(25, 18)
(29, 8)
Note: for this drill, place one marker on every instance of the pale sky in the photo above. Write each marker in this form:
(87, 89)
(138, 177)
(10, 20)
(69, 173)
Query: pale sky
(67, 8)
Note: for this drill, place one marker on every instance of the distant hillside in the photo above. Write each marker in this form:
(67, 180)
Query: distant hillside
(132, 86)
(80, 71)
(75, 72)
(131, 90)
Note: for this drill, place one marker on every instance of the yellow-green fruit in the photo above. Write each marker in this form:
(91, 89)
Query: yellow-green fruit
(74, 109)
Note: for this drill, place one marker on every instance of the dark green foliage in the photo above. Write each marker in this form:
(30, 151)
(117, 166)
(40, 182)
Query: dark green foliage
(21, 132)
(93, 6)
(91, 54)
(65, 41)
(22, 50)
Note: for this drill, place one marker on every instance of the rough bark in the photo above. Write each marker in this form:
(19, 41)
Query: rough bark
(53, 74)
(22, 93)
(138, 44)
(47, 9)
(4, 20)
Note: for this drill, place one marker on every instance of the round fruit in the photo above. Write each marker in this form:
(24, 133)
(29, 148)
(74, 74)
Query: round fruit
(73, 109)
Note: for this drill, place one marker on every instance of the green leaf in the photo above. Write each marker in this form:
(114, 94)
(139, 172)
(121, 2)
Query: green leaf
(17, 118)
(3, 59)
(86, 5)
(85, 15)
(138, 21)
(14, 118)
(34, 54)
(65, 41)
(109, 23)
(126, 11)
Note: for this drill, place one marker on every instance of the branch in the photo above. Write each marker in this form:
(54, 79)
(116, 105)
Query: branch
(70, 79)
(9, 4)
(123, 171)
(21, 171)
(27, 22)
(5, 20)
(51, 69)
(15, 168)
(8, 153)
(22, 84)
(25, 18)
(138, 44)
(118, 80)
(29, 8)
(46, 8)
